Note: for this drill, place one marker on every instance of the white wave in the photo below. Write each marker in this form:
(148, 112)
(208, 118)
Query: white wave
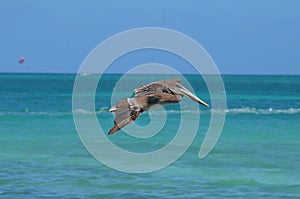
(82, 111)
(243, 110)
(263, 111)
(36, 113)
(99, 111)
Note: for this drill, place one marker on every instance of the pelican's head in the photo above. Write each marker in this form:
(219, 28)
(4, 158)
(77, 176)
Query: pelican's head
(178, 89)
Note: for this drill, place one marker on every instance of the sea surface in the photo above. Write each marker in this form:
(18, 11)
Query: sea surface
(256, 156)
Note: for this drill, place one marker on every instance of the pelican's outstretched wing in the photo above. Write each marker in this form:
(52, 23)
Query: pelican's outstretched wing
(126, 112)
(155, 87)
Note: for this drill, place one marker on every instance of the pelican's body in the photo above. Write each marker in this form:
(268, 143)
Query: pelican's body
(162, 92)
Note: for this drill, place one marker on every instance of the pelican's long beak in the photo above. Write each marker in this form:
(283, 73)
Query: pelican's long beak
(182, 90)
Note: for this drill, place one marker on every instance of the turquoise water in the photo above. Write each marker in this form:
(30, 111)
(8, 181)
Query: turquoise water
(257, 155)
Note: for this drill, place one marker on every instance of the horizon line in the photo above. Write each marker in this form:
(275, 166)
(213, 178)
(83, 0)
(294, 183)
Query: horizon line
(75, 73)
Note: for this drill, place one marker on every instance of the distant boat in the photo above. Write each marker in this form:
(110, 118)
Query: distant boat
(21, 60)
(85, 74)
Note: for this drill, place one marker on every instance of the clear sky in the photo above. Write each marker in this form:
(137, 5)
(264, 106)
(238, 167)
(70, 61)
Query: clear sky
(242, 36)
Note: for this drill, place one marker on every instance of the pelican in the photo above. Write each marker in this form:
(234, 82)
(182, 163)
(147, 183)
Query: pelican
(162, 92)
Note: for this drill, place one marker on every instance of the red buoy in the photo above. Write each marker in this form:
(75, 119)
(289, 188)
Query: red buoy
(21, 60)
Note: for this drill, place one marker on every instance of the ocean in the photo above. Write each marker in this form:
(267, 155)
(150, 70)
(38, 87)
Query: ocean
(256, 156)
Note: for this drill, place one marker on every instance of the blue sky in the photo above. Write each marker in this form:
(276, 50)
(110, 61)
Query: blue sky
(243, 37)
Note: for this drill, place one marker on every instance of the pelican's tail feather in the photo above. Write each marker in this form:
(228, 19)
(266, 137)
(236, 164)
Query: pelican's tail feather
(112, 109)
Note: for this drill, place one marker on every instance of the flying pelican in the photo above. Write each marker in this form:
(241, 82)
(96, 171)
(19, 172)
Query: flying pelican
(162, 92)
